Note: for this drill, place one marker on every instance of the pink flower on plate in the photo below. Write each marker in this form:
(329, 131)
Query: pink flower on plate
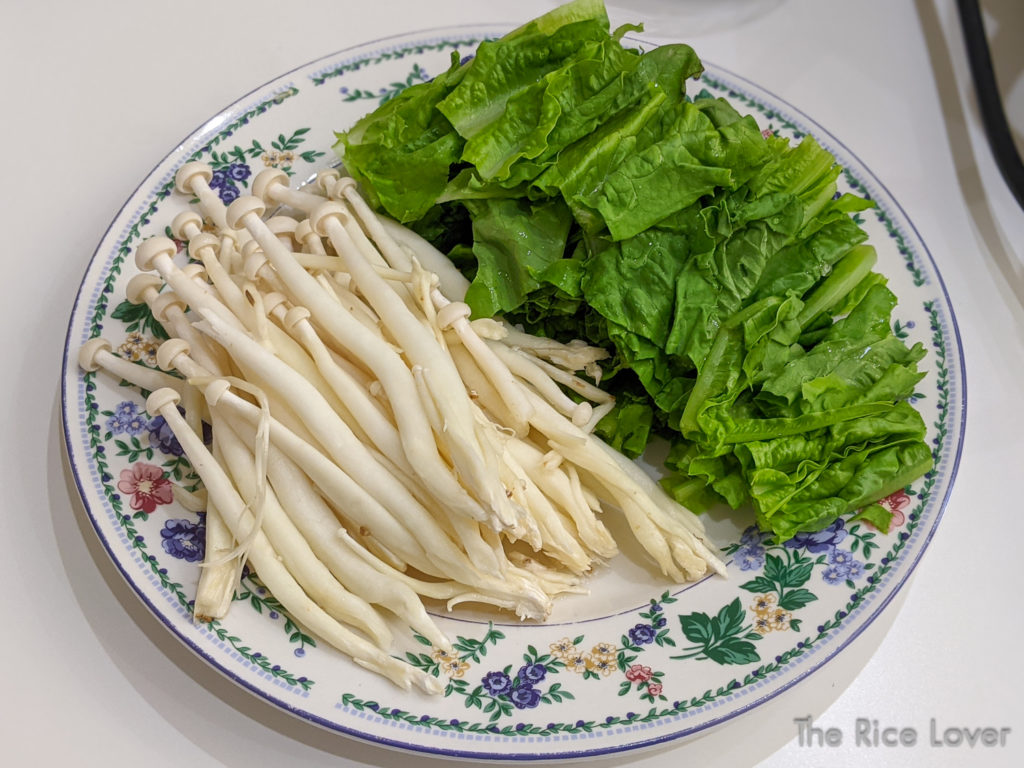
(147, 486)
(654, 689)
(896, 503)
(638, 673)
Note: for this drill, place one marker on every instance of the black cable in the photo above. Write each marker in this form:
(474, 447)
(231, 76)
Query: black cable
(1000, 137)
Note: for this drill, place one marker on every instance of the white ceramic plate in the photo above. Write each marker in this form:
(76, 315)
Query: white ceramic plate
(639, 661)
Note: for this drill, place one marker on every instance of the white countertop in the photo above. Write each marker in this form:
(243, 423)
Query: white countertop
(95, 94)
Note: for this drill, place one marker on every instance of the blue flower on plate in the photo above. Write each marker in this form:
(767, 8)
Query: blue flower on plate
(239, 171)
(525, 696)
(126, 409)
(532, 673)
(842, 566)
(184, 539)
(162, 438)
(642, 634)
(820, 541)
(842, 558)
(228, 193)
(856, 570)
(750, 557)
(127, 418)
(497, 683)
(136, 425)
(753, 537)
(834, 574)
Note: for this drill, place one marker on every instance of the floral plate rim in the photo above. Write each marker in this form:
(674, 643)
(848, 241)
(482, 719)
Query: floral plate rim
(743, 87)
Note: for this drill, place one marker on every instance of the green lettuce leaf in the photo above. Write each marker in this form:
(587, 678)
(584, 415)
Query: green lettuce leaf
(586, 194)
(401, 154)
(514, 241)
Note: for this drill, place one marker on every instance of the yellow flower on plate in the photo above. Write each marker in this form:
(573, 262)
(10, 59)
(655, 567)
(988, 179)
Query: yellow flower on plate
(441, 656)
(454, 667)
(147, 353)
(604, 651)
(780, 619)
(602, 665)
(576, 662)
(563, 648)
(762, 623)
(133, 346)
(764, 604)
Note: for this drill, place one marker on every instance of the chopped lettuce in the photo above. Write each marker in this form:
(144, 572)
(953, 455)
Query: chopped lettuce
(587, 194)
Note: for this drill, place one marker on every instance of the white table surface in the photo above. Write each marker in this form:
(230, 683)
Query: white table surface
(95, 93)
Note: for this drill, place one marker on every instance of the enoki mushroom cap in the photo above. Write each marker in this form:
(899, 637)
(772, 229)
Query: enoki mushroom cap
(273, 300)
(265, 182)
(215, 390)
(139, 287)
(163, 302)
(184, 178)
(185, 223)
(324, 212)
(450, 314)
(242, 207)
(169, 351)
(326, 179)
(161, 399)
(254, 260)
(203, 240)
(294, 316)
(582, 413)
(343, 185)
(90, 351)
(304, 231)
(152, 249)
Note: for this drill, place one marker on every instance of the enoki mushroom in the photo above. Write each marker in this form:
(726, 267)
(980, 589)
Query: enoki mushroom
(372, 445)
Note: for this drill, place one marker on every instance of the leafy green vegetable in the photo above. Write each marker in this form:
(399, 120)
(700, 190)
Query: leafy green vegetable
(627, 429)
(587, 195)
(513, 241)
(402, 152)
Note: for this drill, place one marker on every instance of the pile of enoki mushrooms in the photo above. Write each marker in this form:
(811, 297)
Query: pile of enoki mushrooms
(372, 445)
